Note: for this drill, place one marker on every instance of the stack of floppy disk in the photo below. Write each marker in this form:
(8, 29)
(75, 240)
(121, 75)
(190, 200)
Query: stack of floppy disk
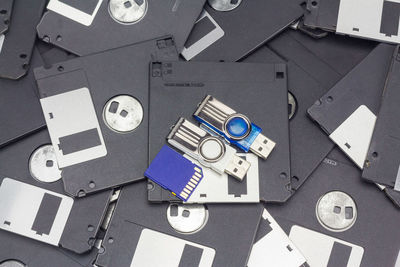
(199, 133)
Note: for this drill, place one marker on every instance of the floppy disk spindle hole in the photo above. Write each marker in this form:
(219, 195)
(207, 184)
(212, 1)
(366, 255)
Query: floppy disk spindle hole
(337, 209)
(123, 113)
(185, 213)
(127, 4)
(49, 163)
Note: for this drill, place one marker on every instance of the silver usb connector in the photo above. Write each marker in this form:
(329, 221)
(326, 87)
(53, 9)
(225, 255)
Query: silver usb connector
(237, 167)
(262, 146)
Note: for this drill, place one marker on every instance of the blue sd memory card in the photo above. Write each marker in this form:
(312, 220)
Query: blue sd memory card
(174, 172)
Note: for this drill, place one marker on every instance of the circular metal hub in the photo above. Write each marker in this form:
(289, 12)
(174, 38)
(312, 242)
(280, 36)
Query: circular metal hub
(12, 263)
(292, 105)
(43, 165)
(212, 149)
(128, 11)
(237, 126)
(336, 211)
(224, 5)
(187, 219)
(123, 113)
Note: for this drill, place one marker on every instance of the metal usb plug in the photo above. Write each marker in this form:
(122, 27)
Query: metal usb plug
(262, 146)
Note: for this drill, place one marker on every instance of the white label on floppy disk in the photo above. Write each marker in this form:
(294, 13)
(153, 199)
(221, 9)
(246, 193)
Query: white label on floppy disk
(367, 19)
(33, 211)
(156, 249)
(61, 7)
(214, 35)
(73, 127)
(321, 250)
(275, 249)
(214, 187)
(354, 135)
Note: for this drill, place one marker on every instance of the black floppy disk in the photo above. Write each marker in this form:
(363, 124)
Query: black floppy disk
(347, 112)
(310, 73)
(16, 45)
(19, 99)
(377, 20)
(96, 109)
(327, 59)
(164, 235)
(87, 27)
(20, 251)
(256, 90)
(229, 30)
(328, 220)
(5, 15)
(382, 164)
(32, 199)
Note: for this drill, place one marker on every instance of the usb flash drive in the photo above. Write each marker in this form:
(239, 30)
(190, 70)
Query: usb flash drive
(209, 150)
(236, 128)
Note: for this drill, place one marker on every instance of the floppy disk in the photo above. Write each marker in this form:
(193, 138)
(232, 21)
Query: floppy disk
(18, 251)
(229, 30)
(394, 196)
(382, 164)
(19, 99)
(170, 235)
(327, 59)
(257, 90)
(87, 27)
(16, 45)
(347, 112)
(33, 203)
(377, 20)
(96, 111)
(328, 220)
(310, 72)
(272, 247)
(5, 15)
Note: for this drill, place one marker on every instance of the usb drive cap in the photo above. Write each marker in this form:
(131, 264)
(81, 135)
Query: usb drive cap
(262, 146)
(237, 167)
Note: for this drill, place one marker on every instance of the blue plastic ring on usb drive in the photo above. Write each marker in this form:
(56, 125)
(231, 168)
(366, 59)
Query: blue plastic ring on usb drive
(236, 128)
